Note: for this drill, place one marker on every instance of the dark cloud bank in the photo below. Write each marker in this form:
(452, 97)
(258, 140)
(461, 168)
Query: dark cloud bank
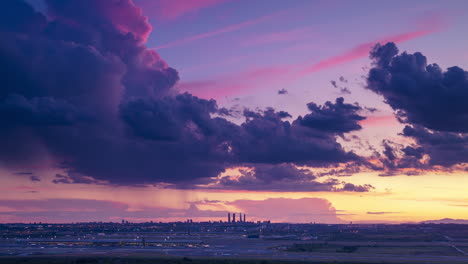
(79, 86)
(431, 102)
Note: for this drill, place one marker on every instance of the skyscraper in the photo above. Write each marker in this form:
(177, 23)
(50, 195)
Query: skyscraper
(244, 218)
(229, 217)
(233, 217)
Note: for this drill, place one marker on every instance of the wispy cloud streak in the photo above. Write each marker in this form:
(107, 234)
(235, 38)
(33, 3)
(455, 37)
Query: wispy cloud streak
(362, 50)
(169, 10)
(274, 37)
(248, 80)
(230, 28)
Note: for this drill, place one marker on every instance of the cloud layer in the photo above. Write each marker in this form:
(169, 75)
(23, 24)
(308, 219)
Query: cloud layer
(303, 210)
(82, 91)
(430, 101)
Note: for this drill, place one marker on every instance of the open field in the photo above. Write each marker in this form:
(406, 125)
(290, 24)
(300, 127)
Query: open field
(148, 260)
(402, 249)
(279, 243)
(180, 255)
(186, 260)
(236, 249)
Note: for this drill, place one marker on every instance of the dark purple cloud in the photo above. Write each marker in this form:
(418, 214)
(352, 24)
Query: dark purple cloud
(430, 101)
(381, 213)
(282, 91)
(337, 117)
(443, 148)
(24, 173)
(397, 159)
(80, 86)
(170, 118)
(388, 151)
(307, 140)
(39, 111)
(343, 89)
(35, 178)
(416, 152)
(350, 187)
(420, 93)
(285, 177)
(74, 178)
(281, 177)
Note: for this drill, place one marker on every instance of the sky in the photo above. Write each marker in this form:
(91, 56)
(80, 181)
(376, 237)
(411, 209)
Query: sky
(289, 111)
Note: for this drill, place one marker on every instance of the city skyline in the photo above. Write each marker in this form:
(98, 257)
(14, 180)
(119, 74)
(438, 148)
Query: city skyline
(289, 111)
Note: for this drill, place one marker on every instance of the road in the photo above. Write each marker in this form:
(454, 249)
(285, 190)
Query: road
(450, 243)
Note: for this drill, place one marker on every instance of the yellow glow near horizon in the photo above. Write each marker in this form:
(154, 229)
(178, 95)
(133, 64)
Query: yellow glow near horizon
(394, 199)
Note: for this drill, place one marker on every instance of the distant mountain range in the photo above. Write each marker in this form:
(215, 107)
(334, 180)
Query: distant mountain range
(446, 221)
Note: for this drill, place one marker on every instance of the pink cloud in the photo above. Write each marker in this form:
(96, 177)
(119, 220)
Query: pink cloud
(261, 77)
(303, 210)
(383, 120)
(128, 17)
(362, 50)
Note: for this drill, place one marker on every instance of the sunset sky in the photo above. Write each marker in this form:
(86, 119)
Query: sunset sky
(289, 111)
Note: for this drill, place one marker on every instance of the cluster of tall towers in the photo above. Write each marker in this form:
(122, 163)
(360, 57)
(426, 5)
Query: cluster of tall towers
(241, 220)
